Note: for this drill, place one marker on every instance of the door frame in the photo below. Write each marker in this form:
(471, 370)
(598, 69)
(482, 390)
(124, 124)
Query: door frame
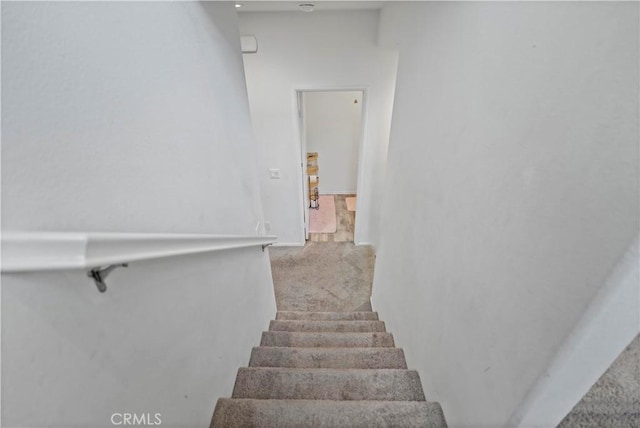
(298, 103)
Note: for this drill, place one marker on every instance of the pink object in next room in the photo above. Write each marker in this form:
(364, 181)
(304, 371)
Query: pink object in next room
(323, 219)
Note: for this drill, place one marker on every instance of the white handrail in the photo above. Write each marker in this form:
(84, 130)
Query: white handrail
(52, 251)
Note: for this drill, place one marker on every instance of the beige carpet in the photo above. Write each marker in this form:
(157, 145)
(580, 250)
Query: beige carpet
(323, 276)
(326, 360)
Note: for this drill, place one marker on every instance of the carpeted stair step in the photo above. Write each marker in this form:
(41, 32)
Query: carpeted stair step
(366, 306)
(332, 358)
(326, 326)
(329, 340)
(328, 384)
(248, 413)
(327, 316)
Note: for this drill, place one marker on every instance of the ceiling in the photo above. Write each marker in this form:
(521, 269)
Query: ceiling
(292, 6)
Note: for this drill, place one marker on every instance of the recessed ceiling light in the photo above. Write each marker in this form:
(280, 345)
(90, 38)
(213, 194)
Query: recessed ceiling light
(238, 5)
(306, 7)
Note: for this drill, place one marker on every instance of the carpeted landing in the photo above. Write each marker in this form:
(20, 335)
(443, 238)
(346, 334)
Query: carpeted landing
(326, 360)
(323, 276)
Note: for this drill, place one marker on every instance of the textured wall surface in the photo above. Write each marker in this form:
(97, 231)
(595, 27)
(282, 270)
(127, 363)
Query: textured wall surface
(125, 117)
(128, 117)
(512, 189)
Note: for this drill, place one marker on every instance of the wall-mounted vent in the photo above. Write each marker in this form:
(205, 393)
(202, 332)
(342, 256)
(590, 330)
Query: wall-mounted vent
(249, 44)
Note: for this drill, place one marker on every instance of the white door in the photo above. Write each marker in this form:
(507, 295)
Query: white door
(303, 162)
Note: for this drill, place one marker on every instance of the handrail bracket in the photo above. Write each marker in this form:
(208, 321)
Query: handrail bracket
(266, 245)
(99, 274)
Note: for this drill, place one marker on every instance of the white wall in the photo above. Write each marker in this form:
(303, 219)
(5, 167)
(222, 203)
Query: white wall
(297, 51)
(602, 333)
(333, 129)
(128, 117)
(512, 190)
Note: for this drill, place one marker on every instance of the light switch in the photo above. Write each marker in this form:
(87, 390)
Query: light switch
(274, 173)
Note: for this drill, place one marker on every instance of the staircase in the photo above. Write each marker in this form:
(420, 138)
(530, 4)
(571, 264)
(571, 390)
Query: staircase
(327, 369)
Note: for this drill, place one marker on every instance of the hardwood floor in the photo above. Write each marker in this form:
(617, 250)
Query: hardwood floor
(345, 224)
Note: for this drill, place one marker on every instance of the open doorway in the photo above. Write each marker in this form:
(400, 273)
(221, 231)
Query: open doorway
(331, 139)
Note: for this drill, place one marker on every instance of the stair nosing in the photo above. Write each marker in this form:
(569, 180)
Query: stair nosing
(379, 326)
(306, 380)
(337, 348)
(325, 369)
(420, 413)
